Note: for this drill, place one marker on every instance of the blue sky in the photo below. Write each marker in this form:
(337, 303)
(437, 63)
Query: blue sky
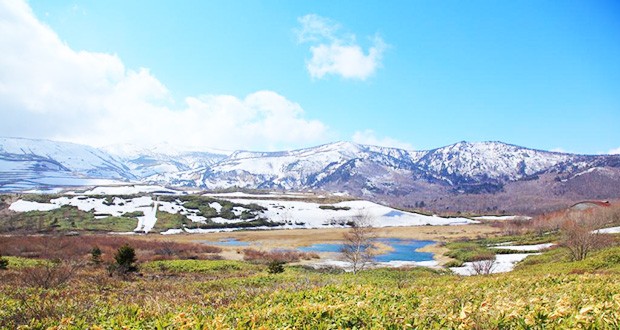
(287, 74)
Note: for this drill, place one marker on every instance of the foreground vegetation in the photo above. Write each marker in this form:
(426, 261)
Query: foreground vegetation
(549, 292)
(56, 282)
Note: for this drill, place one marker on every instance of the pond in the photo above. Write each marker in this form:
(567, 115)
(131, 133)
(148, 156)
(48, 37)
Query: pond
(404, 250)
(227, 241)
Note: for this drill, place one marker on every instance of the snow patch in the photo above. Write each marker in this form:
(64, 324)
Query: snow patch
(536, 247)
(26, 206)
(611, 230)
(503, 263)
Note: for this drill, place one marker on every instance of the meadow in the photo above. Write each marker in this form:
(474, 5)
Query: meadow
(549, 292)
(55, 282)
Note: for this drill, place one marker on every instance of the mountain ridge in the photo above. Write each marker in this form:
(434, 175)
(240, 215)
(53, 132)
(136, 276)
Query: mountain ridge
(374, 172)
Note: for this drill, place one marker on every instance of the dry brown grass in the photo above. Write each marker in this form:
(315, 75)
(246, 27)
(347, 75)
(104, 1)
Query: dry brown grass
(79, 247)
(285, 256)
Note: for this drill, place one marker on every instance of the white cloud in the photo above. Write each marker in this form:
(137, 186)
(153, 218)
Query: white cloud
(316, 28)
(338, 54)
(614, 151)
(48, 90)
(561, 150)
(368, 137)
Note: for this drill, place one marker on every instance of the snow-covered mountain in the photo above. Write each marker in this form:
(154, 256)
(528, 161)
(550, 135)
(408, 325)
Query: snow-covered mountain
(462, 163)
(380, 173)
(26, 163)
(164, 162)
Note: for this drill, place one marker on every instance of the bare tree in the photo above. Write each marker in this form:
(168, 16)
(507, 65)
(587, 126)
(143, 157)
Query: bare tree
(358, 242)
(580, 233)
(483, 267)
(168, 248)
(51, 273)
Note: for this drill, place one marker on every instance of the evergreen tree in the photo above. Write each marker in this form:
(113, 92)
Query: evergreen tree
(95, 255)
(125, 258)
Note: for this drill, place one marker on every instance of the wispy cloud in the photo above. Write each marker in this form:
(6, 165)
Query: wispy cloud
(337, 53)
(48, 90)
(369, 137)
(614, 151)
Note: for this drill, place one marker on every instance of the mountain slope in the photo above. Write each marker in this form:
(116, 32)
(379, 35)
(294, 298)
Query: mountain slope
(447, 178)
(164, 162)
(27, 162)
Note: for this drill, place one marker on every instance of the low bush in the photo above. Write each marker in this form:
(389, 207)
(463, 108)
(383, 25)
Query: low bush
(334, 208)
(468, 251)
(275, 267)
(50, 274)
(4, 263)
(454, 263)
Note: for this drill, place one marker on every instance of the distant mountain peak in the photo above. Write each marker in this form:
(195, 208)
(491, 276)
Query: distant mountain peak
(361, 170)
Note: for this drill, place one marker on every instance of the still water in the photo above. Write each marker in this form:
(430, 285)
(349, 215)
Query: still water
(404, 249)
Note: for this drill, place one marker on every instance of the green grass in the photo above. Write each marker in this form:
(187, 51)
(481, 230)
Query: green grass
(558, 261)
(199, 294)
(167, 221)
(19, 262)
(65, 218)
(201, 266)
(468, 251)
(479, 249)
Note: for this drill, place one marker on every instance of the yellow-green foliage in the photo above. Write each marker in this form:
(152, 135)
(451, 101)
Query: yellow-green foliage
(198, 294)
(18, 262)
(200, 266)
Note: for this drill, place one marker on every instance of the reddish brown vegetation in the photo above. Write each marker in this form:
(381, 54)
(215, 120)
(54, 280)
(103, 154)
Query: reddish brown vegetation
(80, 247)
(552, 222)
(285, 256)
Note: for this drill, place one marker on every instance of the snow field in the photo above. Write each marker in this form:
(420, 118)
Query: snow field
(292, 214)
(536, 247)
(503, 263)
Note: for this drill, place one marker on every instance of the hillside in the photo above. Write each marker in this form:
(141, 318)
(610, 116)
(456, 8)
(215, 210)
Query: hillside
(222, 294)
(480, 177)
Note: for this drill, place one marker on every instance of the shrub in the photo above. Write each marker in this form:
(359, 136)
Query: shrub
(483, 267)
(95, 255)
(454, 263)
(334, 208)
(125, 259)
(50, 274)
(579, 234)
(275, 267)
(4, 263)
(133, 214)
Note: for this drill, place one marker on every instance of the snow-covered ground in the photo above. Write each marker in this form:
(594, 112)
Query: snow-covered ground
(536, 247)
(312, 216)
(611, 230)
(503, 263)
(503, 217)
(292, 214)
(25, 206)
